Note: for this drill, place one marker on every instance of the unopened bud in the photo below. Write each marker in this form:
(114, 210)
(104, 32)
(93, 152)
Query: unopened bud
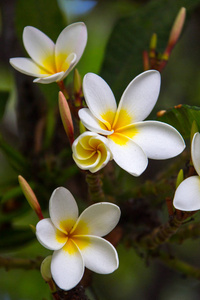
(66, 117)
(82, 128)
(194, 129)
(33, 228)
(153, 44)
(176, 29)
(161, 113)
(180, 178)
(30, 196)
(77, 82)
(45, 268)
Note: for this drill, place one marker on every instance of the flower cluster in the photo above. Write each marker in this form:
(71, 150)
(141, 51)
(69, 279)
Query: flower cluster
(118, 133)
(130, 139)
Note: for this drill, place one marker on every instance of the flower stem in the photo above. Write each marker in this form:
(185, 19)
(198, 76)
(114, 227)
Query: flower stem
(20, 263)
(180, 265)
(95, 187)
(161, 234)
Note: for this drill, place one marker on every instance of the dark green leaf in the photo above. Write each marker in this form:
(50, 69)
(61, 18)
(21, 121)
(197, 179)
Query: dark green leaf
(131, 36)
(12, 238)
(182, 118)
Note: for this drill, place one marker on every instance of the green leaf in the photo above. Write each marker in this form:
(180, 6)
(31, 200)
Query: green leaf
(12, 238)
(131, 36)
(44, 15)
(4, 95)
(182, 117)
(17, 161)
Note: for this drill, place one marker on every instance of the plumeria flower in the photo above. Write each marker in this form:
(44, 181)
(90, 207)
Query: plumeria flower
(131, 140)
(187, 195)
(51, 62)
(90, 151)
(77, 241)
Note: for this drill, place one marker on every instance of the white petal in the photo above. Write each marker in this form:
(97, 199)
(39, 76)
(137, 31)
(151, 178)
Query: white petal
(100, 219)
(27, 66)
(49, 79)
(91, 123)
(40, 48)
(187, 195)
(129, 156)
(47, 235)
(72, 39)
(71, 61)
(99, 98)
(99, 255)
(67, 268)
(63, 209)
(158, 140)
(140, 96)
(195, 151)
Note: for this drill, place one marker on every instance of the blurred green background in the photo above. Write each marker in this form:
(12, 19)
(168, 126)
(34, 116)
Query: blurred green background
(118, 32)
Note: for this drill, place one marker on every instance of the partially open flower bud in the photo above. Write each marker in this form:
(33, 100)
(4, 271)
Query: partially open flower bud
(90, 151)
(45, 268)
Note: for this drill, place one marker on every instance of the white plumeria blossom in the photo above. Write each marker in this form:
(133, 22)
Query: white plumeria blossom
(131, 140)
(187, 195)
(90, 151)
(77, 241)
(51, 62)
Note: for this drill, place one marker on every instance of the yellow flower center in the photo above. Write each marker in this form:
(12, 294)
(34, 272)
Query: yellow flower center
(76, 235)
(120, 123)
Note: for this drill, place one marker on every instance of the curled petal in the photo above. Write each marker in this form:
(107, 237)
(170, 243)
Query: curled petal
(100, 218)
(90, 151)
(99, 256)
(127, 154)
(49, 236)
(72, 39)
(68, 64)
(40, 48)
(63, 209)
(187, 195)
(99, 99)
(49, 79)
(158, 140)
(92, 123)
(27, 66)
(140, 97)
(195, 152)
(67, 267)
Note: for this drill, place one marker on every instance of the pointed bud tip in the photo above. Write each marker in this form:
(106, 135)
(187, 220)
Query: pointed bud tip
(180, 178)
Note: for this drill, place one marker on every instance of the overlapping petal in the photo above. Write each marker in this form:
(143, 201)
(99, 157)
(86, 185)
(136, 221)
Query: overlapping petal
(47, 235)
(195, 152)
(158, 140)
(99, 98)
(40, 48)
(49, 79)
(67, 268)
(72, 39)
(187, 195)
(140, 97)
(127, 154)
(92, 123)
(27, 66)
(63, 209)
(100, 218)
(90, 151)
(99, 256)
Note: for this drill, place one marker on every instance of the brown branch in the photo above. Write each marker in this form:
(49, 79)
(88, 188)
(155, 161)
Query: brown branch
(20, 263)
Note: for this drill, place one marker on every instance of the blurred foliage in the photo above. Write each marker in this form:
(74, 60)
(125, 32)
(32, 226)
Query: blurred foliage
(128, 27)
